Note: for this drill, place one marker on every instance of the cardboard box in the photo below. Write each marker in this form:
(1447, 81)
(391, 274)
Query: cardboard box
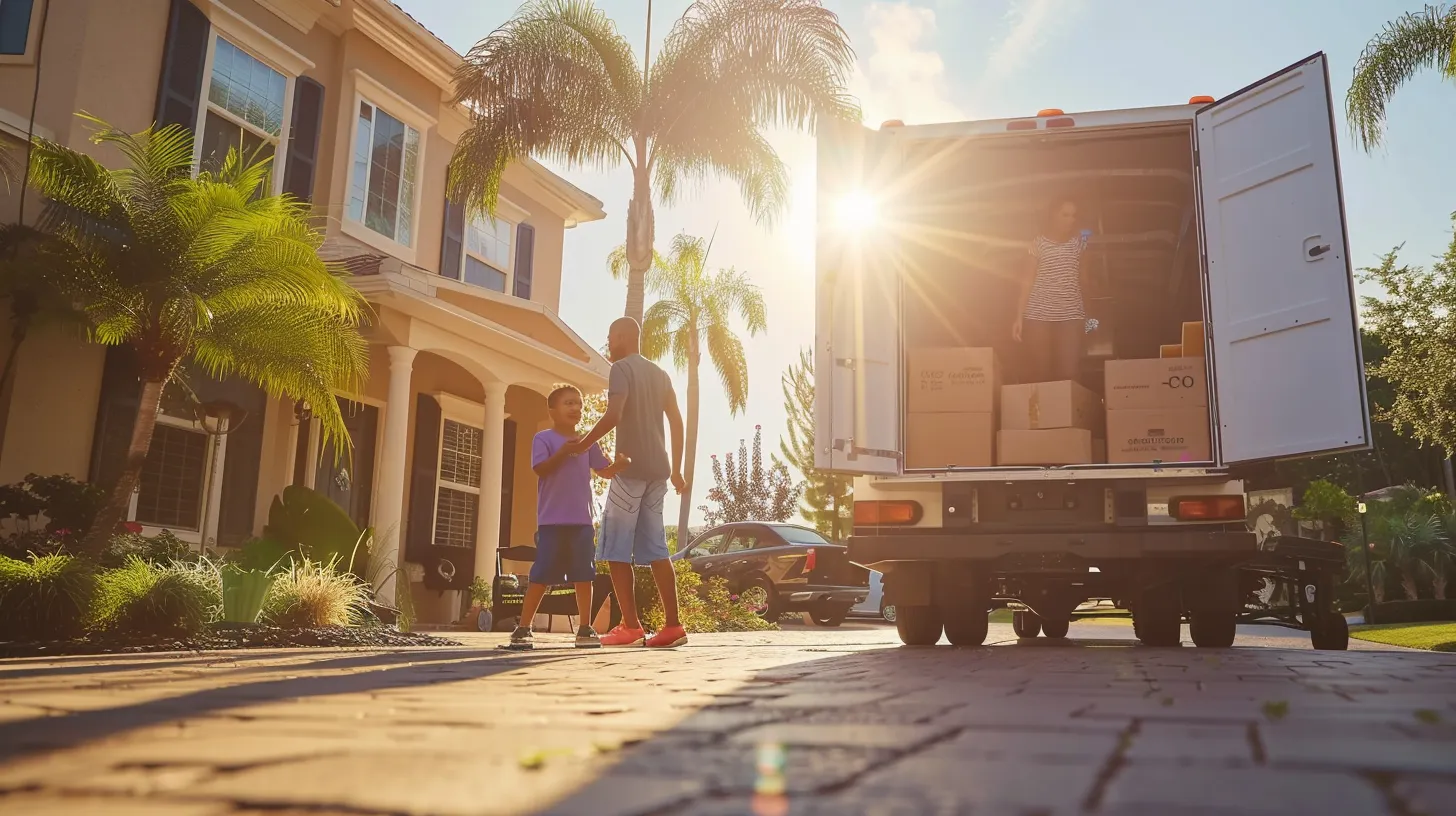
(1099, 451)
(1043, 406)
(1059, 446)
(1193, 339)
(1174, 350)
(953, 380)
(949, 439)
(1168, 435)
(1176, 382)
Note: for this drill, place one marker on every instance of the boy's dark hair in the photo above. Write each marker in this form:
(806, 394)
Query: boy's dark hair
(561, 389)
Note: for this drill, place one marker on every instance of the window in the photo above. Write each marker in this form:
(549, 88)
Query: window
(171, 487)
(457, 493)
(488, 252)
(711, 545)
(800, 535)
(15, 26)
(743, 540)
(383, 180)
(245, 105)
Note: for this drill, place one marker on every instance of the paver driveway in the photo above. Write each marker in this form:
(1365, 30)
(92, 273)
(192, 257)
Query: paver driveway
(865, 727)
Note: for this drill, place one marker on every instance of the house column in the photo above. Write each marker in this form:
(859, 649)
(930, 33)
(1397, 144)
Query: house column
(488, 520)
(389, 506)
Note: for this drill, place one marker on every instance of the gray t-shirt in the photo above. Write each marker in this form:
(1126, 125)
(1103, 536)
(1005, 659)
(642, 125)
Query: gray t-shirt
(645, 387)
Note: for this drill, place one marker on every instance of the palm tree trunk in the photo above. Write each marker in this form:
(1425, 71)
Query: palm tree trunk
(690, 445)
(114, 511)
(1438, 584)
(640, 235)
(1408, 585)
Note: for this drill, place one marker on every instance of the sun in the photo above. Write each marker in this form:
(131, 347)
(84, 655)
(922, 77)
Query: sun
(856, 210)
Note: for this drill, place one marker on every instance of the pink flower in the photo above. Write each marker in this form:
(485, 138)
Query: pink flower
(131, 527)
(63, 532)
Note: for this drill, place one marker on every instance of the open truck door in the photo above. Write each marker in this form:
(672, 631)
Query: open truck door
(858, 380)
(1284, 342)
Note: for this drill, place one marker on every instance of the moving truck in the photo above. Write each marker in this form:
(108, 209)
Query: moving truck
(1224, 213)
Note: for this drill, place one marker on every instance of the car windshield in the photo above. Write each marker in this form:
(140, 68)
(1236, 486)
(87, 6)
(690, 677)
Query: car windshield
(799, 535)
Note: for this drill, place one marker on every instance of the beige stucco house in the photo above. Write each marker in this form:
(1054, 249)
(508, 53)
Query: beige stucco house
(352, 98)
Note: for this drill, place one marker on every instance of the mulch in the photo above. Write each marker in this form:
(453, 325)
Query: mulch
(220, 638)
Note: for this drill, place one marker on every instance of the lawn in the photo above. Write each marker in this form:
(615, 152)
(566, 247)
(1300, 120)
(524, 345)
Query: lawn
(1435, 637)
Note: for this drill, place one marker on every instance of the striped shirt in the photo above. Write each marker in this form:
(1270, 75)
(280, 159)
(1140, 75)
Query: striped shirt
(1057, 292)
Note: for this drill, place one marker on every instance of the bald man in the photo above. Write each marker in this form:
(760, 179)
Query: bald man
(639, 396)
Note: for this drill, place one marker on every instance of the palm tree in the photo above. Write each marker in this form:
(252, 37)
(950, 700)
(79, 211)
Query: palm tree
(559, 82)
(205, 270)
(696, 313)
(1413, 42)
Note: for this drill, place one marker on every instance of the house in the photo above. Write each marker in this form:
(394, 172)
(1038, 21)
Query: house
(352, 97)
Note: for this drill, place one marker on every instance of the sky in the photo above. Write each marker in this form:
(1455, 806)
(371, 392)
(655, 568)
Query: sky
(925, 61)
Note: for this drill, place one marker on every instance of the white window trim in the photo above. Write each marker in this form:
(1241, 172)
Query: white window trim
(369, 90)
(512, 214)
(37, 11)
(243, 39)
(210, 472)
(442, 482)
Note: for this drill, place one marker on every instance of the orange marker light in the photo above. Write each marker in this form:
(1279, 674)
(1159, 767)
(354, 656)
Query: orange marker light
(876, 513)
(889, 123)
(1049, 112)
(1200, 100)
(1207, 508)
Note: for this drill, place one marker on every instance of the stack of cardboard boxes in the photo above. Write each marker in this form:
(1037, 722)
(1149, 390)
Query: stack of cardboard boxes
(950, 400)
(1049, 423)
(1157, 411)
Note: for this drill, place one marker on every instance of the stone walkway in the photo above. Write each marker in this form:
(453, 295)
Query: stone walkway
(862, 725)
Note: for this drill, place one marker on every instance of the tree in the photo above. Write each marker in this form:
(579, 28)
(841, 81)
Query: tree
(1413, 42)
(696, 314)
(745, 491)
(206, 270)
(559, 82)
(827, 502)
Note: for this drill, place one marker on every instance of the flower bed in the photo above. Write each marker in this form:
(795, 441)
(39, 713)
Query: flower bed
(220, 637)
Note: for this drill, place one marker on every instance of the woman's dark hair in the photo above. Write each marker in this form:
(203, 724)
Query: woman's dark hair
(1055, 205)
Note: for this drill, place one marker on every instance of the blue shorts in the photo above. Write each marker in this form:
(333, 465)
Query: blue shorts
(632, 531)
(564, 554)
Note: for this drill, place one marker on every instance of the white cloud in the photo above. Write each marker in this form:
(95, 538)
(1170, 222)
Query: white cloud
(1032, 23)
(904, 76)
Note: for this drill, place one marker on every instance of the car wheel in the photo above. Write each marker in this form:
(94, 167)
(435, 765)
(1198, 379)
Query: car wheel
(1213, 630)
(1025, 624)
(887, 611)
(1330, 631)
(1055, 628)
(918, 625)
(1159, 616)
(760, 596)
(829, 614)
(966, 625)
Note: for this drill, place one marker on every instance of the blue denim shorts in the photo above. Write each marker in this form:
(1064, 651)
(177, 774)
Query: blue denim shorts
(564, 554)
(632, 531)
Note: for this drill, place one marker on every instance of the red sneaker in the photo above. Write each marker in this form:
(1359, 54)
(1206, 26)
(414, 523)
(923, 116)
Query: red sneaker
(622, 636)
(669, 637)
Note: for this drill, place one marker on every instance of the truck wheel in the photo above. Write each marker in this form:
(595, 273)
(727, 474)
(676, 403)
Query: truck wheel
(1159, 616)
(966, 625)
(1213, 630)
(1056, 628)
(1025, 624)
(918, 625)
(829, 614)
(1330, 631)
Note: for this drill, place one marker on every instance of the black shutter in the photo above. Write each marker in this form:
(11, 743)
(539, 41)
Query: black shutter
(306, 122)
(180, 90)
(525, 256)
(420, 527)
(453, 239)
(508, 482)
(116, 413)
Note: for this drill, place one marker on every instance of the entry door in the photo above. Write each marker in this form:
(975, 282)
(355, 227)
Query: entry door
(349, 480)
(1285, 343)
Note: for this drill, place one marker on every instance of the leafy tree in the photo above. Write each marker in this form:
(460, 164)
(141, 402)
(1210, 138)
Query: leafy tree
(746, 491)
(207, 270)
(1413, 42)
(559, 82)
(696, 314)
(827, 501)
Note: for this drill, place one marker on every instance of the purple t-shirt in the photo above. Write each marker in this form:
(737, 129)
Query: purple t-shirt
(564, 497)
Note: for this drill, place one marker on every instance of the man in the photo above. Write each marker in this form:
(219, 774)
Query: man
(639, 394)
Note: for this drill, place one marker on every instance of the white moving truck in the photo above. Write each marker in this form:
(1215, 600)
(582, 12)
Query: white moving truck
(1227, 212)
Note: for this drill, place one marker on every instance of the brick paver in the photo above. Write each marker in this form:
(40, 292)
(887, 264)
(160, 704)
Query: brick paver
(864, 727)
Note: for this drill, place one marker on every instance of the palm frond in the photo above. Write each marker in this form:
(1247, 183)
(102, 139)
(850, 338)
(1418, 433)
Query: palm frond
(734, 294)
(726, 352)
(1413, 42)
(660, 322)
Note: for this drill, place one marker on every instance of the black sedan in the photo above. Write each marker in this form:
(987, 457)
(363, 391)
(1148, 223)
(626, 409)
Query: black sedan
(778, 568)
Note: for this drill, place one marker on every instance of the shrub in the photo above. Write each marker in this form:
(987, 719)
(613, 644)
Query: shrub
(67, 506)
(312, 594)
(159, 550)
(702, 606)
(1413, 611)
(141, 598)
(44, 597)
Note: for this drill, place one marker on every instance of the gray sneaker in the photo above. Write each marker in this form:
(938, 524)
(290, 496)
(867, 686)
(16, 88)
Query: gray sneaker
(586, 638)
(523, 639)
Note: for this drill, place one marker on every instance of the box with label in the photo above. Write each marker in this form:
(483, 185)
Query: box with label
(1193, 339)
(943, 440)
(959, 380)
(1043, 406)
(1059, 446)
(1167, 382)
(1167, 435)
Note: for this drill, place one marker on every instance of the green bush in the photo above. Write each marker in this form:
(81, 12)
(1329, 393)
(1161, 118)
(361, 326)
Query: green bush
(66, 505)
(1413, 611)
(141, 598)
(312, 594)
(161, 549)
(44, 597)
(702, 606)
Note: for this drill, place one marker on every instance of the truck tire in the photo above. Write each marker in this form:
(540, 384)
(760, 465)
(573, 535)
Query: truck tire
(1159, 616)
(966, 625)
(1213, 630)
(1330, 631)
(918, 625)
(1055, 628)
(1025, 624)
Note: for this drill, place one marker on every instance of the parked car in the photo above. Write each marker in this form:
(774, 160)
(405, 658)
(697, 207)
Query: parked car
(778, 568)
(874, 605)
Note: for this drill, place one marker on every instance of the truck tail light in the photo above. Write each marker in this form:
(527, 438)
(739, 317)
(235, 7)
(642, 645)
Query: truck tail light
(1061, 122)
(811, 561)
(876, 513)
(1207, 508)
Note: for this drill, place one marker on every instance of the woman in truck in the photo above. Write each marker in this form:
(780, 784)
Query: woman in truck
(1050, 316)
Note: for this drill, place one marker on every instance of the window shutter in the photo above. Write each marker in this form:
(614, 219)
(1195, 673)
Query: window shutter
(307, 119)
(420, 526)
(180, 90)
(115, 415)
(453, 240)
(525, 256)
(508, 481)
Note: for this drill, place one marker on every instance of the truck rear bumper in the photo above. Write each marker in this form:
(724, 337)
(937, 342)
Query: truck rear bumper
(1109, 546)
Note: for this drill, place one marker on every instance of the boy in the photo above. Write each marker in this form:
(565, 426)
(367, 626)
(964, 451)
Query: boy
(565, 545)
